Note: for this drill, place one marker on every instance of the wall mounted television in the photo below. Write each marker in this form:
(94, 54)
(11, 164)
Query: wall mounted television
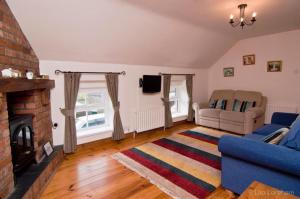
(151, 83)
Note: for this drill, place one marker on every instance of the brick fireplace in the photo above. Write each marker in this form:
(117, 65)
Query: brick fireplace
(22, 96)
(35, 102)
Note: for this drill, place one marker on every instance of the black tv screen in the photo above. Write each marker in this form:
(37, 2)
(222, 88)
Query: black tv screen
(151, 83)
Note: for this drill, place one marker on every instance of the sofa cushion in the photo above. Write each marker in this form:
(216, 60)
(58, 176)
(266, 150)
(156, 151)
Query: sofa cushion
(212, 103)
(268, 129)
(221, 104)
(284, 119)
(208, 112)
(255, 137)
(292, 139)
(224, 94)
(232, 116)
(250, 96)
(298, 117)
(236, 105)
(277, 136)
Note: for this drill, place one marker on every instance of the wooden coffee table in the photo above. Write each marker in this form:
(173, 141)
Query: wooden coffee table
(258, 190)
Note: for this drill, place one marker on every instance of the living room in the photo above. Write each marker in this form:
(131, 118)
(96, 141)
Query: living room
(146, 99)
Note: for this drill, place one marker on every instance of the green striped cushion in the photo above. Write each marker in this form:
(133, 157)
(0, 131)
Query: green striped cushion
(239, 106)
(212, 103)
(221, 104)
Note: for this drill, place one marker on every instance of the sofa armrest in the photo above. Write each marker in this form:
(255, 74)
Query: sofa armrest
(254, 118)
(255, 112)
(257, 152)
(196, 108)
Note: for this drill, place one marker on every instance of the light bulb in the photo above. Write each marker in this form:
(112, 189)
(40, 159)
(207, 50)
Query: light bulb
(242, 19)
(254, 14)
(231, 16)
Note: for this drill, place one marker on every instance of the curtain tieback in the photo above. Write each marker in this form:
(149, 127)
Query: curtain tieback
(68, 112)
(166, 101)
(117, 107)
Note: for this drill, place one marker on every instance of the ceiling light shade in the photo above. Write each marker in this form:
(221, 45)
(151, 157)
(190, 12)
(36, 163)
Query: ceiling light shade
(242, 20)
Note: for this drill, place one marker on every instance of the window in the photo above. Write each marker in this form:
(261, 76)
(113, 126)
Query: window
(178, 97)
(174, 99)
(93, 108)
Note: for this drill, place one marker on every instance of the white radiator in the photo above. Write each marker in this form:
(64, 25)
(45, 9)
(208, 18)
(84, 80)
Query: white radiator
(271, 108)
(149, 119)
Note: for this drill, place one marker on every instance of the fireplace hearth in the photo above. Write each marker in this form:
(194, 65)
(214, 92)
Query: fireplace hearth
(22, 143)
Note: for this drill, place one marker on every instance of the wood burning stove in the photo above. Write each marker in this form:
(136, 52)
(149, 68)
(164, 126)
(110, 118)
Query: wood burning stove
(22, 144)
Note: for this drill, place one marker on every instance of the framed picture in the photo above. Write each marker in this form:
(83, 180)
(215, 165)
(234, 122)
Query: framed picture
(249, 59)
(228, 72)
(274, 66)
(48, 148)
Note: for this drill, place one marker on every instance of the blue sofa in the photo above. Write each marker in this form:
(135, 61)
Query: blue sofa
(249, 158)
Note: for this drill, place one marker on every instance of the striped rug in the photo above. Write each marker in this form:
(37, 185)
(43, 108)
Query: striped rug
(184, 165)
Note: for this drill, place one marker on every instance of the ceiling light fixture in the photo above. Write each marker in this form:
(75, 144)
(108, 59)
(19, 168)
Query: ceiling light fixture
(242, 20)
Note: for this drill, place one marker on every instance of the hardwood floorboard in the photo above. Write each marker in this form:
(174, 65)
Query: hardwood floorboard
(92, 173)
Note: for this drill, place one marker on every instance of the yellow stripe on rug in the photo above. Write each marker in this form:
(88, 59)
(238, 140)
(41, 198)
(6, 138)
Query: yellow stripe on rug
(195, 143)
(194, 168)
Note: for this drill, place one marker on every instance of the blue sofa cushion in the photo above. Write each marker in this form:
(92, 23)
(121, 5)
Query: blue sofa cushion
(256, 137)
(268, 129)
(284, 119)
(292, 139)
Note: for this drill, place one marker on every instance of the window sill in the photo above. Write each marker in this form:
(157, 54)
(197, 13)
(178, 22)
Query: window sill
(94, 134)
(179, 117)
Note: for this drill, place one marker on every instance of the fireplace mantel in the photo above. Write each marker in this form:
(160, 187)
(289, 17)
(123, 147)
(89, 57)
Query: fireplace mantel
(21, 84)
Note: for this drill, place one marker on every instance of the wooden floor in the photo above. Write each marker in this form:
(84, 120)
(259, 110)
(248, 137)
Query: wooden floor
(92, 173)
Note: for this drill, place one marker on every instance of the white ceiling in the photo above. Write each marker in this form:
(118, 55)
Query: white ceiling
(179, 33)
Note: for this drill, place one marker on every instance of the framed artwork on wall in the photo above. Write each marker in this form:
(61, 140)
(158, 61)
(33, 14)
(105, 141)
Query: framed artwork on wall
(274, 66)
(228, 72)
(249, 59)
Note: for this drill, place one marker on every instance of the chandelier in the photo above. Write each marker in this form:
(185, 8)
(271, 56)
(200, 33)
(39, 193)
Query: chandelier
(242, 20)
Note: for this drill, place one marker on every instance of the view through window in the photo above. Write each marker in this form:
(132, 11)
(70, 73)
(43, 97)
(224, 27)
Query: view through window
(93, 110)
(178, 97)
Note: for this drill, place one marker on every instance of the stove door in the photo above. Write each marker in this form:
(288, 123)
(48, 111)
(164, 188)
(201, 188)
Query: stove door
(22, 147)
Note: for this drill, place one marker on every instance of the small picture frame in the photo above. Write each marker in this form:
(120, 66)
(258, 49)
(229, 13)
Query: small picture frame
(274, 66)
(228, 72)
(248, 60)
(48, 148)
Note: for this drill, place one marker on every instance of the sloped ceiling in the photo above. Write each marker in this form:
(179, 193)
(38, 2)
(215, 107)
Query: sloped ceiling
(179, 33)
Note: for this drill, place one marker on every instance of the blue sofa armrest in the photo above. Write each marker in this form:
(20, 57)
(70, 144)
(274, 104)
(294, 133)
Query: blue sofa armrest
(284, 119)
(257, 152)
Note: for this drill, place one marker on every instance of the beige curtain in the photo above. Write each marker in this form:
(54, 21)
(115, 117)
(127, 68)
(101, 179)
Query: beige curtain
(112, 81)
(72, 81)
(189, 89)
(166, 100)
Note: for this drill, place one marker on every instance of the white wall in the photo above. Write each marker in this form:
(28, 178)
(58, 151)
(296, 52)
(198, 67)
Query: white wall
(130, 95)
(282, 88)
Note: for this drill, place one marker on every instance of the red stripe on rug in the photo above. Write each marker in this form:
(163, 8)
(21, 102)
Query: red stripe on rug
(189, 154)
(169, 175)
(200, 138)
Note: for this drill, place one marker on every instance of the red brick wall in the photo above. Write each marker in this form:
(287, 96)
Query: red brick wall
(16, 53)
(15, 50)
(6, 173)
(31, 102)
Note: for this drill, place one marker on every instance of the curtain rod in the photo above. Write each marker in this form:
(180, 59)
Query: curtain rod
(176, 74)
(57, 72)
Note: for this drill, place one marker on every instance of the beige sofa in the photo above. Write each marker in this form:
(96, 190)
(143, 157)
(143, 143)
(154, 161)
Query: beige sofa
(237, 122)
